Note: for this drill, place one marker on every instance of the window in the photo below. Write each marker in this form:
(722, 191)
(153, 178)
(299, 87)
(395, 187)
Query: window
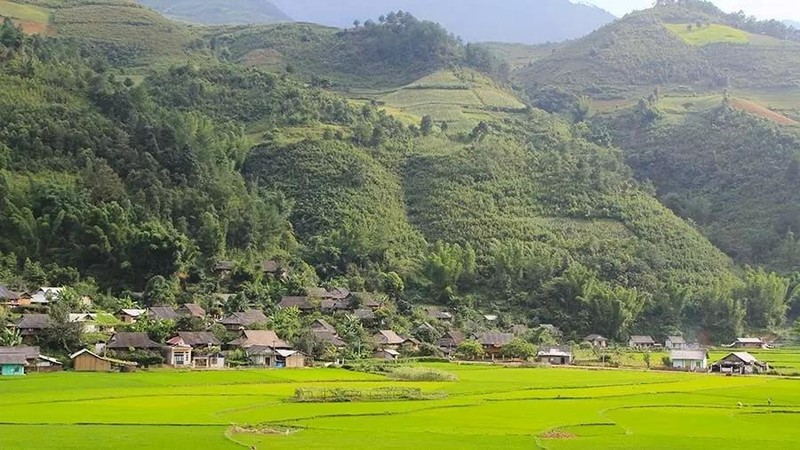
(180, 359)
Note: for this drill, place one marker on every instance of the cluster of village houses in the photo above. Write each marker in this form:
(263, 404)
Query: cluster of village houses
(264, 348)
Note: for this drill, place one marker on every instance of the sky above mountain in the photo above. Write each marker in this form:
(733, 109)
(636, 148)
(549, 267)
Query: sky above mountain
(763, 9)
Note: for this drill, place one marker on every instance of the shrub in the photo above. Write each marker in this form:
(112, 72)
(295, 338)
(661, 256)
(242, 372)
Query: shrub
(421, 374)
(342, 395)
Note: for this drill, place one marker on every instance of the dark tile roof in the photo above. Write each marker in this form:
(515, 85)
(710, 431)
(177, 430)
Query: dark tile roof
(191, 309)
(34, 322)
(245, 318)
(451, 339)
(364, 314)
(339, 293)
(125, 340)
(269, 266)
(27, 351)
(198, 338)
(266, 338)
(322, 324)
(495, 339)
(13, 358)
(224, 266)
(162, 313)
(329, 338)
(297, 302)
(8, 294)
(388, 337)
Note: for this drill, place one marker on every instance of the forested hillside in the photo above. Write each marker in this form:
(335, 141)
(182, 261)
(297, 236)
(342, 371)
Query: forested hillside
(120, 183)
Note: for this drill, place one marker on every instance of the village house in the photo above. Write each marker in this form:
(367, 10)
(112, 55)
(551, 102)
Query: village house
(749, 343)
(33, 360)
(205, 348)
(367, 300)
(12, 364)
(436, 313)
(30, 326)
(493, 343)
(326, 333)
(46, 294)
(596, 340)
(162, 313)
(691, 360)
(191, 310)
(131, 341)
(177, 354)
(675, 343)
(224, 268)
(129, 316)
(277, 358)
(304, 304)
(262, 338)
(9, 297)
(557, 356)
(641, 342)
(88, 361)
(364, 314)
(270, 267)
(449, 341)
(386, 354)
(388, 339)
(244, 319)
(740, 363)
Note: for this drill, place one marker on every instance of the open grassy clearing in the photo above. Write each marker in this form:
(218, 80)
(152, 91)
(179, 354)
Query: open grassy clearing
(33, 19)
(709, 34)
(487, 407)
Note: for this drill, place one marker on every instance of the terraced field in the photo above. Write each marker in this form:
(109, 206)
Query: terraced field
(460, 98)
(487, 407)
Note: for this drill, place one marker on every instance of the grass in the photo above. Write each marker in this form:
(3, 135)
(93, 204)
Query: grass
(487, 407)
(26, 13)
(709, 34)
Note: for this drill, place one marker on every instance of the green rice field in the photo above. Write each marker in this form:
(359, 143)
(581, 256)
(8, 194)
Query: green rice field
(486, 407)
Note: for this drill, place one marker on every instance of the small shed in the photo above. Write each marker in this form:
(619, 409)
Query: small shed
(596, 340)
(88, 361)
(128, 316)
(557, 356)
(691, 360)
(386, 354)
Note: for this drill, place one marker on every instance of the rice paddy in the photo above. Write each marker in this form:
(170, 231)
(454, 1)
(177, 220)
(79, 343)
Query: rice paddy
(481, 406)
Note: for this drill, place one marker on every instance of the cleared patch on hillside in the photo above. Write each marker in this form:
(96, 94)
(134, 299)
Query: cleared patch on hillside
(459, 98)
(760, 111)
(32, 19)
(709, 34)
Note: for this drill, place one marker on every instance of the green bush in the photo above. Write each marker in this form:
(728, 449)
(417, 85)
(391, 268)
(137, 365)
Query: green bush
(420, 374)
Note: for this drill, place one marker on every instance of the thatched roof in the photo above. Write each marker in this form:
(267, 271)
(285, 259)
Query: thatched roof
(34, 322)
(125, 340)
(191, 310)
(195, 339)
(494, 339)
(27, 351)
(245, 318)
(162, 313)
(266, 338)
(388, 337)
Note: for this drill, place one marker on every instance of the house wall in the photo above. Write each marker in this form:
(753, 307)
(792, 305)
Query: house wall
(690, 364)
(8, 370)
(295, 361)
(88, 363)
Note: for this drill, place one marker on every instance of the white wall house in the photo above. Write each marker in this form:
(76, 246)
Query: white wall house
(692, 360)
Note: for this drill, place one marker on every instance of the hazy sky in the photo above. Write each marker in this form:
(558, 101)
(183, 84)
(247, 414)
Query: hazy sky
(763, 9)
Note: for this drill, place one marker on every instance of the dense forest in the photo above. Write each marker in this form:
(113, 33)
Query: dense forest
(115, 183)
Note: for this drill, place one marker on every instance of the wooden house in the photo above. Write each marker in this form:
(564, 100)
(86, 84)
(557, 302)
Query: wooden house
(754, 343)
(637, 341)
(386, 354)
(691, 360)
(191, 310)
(675, 343)
(596, 340)
(449, 341)
(557, 356)
(88, 361)
(304, 304)
(129, 316)
(493, 343)
(244, 319)
(9, 297)
(162, 313)
(262, 338)
(12, 364)
(364, 314)
(129, 341)
(30, 326)
(740, 363)
(388, 339)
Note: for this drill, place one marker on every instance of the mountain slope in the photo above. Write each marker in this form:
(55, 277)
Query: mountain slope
(473, 20)
(219, 12)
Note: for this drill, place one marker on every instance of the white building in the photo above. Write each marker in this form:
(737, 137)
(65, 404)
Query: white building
(692, 360)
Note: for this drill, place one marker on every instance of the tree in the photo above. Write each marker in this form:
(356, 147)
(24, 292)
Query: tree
(286, 322)
(426, 125)
(9, 337)
(62, 334)
(470, 349)
(519, 348)
(158, 291)
(157, 330)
